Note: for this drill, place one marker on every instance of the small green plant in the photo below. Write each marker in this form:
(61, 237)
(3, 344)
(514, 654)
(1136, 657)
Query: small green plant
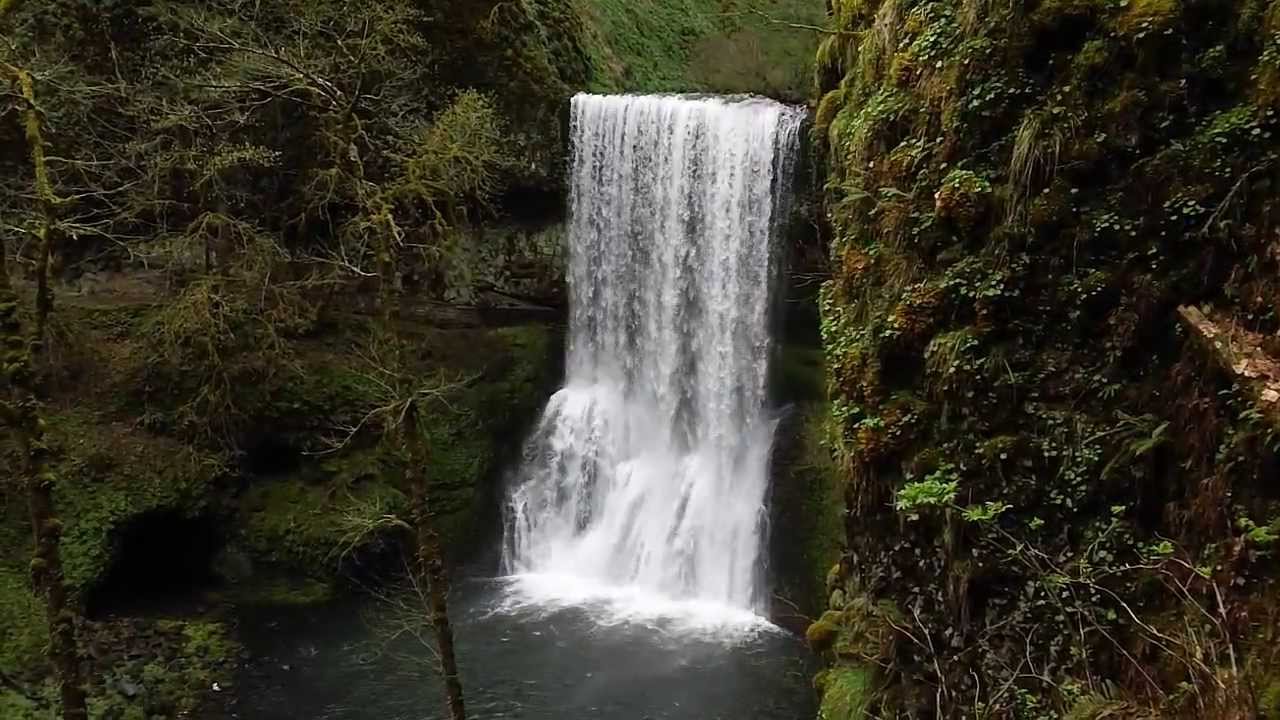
(985, 513)
(938, 489)
(1260, 536)
(1139, 436)
(1158, 550)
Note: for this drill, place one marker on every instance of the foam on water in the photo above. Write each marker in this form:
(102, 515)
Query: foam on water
(642, 491)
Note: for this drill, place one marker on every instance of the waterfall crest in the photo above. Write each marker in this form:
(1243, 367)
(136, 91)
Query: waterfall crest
(649, 468)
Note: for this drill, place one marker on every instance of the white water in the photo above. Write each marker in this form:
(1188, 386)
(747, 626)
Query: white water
(643, 488)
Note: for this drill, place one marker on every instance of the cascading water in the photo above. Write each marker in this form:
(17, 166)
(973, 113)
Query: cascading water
(648, 471)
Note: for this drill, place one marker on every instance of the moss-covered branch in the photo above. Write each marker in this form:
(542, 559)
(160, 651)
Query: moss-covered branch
(22, 358)
(806, 27)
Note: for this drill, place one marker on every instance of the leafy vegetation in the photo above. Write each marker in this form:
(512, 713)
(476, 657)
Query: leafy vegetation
(701, 45)
(215, 187)
(1065, 493)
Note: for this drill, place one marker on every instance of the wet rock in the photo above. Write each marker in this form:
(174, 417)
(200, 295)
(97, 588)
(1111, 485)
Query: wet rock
(128, 688)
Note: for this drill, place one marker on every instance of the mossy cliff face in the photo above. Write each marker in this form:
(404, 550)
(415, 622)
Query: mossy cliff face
(806, 501)
(306, 521)
(269, 429)
(656, 46)
(1067, 494)
(533, 55)
(700, 46)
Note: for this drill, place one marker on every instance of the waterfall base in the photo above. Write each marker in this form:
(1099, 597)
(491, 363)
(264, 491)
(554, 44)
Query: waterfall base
(543, 595)
(533, 663)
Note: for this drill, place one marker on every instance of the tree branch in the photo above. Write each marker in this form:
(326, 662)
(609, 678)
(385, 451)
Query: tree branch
(797, 26)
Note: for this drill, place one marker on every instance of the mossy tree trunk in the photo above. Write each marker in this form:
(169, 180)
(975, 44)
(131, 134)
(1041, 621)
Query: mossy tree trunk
(22, 358)
(428, 566)
(429, 561)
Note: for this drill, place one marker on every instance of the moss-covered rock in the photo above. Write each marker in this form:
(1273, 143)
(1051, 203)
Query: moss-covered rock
(1141, 17)
(822, 633)
(280, 590)
(184, 661)
(110, 473)
(846, 692)
(317, 516)
(963, 199)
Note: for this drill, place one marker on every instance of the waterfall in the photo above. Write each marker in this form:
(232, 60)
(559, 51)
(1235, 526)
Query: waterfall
(649, 468)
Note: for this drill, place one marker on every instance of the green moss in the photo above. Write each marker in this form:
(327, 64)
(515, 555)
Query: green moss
(799, 374)
(173, 678)
(1094, 707)
(1267, 73)
(860, 128)
(695, 45)
(867, 631)
(822, 633)
(308, 525)
(109, 473)
(22, 625)
(807, 490)
(963, 198)
(279, 591)
(847, 692)
(309, 519)
(207, 640)
(1269, 699)
(1019, 197)
(204, 653)
(828, 107)
(1143, 17)
(824, 539)
(324, 393)
(1091, 62)
(953, 363)
(1053, 13)
(14, 706)
(832, 58)
(521, 376)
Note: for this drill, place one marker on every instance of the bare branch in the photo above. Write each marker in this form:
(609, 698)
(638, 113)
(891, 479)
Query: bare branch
(794, 25)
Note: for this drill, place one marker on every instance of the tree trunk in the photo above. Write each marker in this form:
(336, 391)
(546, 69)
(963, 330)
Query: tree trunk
(429, 563)
(22, 358)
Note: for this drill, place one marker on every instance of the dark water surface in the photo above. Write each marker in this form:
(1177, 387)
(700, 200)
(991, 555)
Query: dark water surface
(325, 664)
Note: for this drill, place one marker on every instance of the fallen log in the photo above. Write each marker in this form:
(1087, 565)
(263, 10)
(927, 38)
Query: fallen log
(1239, 353)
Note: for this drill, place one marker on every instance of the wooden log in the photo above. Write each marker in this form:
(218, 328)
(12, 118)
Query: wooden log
(1238, 352)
